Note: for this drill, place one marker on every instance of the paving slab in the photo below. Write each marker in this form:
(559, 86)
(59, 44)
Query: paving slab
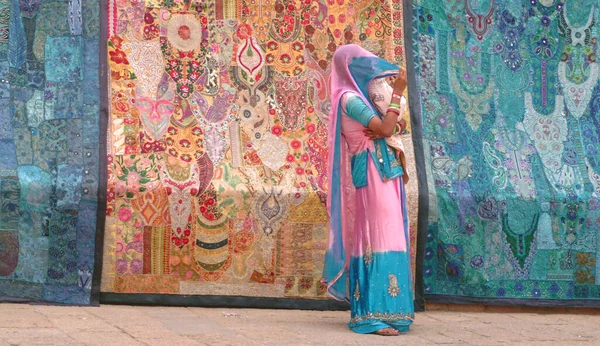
(22, 324)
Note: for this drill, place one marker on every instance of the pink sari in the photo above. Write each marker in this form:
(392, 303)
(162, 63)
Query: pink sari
(367, 262)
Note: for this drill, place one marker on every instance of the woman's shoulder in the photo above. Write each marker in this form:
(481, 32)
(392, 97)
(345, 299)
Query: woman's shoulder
(351, 97)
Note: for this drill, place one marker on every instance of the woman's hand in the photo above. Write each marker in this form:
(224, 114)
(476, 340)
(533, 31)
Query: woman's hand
(402, 123)
(372, 135)
(400, 82)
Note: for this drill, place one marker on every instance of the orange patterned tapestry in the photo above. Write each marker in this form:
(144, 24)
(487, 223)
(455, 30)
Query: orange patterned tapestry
(217, 141)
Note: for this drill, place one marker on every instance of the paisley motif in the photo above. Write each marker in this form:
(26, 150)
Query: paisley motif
(250, 60)
(375, 17)
(291, 98)
(318, 94)
(205, 173)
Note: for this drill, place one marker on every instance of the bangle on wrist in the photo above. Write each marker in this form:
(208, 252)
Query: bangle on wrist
(396, 95)
(394, 105)
(393, 110)
(397, 128)
(402, 126)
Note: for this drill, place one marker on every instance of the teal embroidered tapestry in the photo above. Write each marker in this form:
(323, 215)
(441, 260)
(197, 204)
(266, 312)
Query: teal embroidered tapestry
(49, 148)
(510, 112)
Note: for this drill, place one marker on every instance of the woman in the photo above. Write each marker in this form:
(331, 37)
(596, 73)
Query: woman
(367, 262)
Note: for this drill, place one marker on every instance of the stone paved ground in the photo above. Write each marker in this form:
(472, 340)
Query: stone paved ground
(126, 325)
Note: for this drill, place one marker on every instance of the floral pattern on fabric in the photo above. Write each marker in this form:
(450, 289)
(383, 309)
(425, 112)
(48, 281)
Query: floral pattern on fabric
(217, 140)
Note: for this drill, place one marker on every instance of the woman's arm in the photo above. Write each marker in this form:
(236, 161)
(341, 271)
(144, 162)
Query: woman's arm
(384, 127)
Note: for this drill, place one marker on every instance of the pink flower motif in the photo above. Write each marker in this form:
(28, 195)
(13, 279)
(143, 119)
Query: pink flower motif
(133, 181)
(125, 214)
(121, 187)
(310, 128)
(296, 144)
(144, 164)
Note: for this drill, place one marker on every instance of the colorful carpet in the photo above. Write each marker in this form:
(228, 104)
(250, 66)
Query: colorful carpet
(510, 112)
(217, 141)
(49, 148)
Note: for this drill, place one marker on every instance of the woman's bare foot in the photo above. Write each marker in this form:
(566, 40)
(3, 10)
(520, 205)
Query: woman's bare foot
(387, 332)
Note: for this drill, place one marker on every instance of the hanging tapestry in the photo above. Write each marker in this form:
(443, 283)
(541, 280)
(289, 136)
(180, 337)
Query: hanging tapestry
(217, 141)
(510, 113)
(49, 148)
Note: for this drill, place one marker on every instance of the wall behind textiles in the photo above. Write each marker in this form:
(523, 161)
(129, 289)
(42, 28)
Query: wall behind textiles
(217, 141)
(49, 148)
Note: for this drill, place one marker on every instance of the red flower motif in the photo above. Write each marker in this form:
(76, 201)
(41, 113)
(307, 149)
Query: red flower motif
(118, 57)
(110, 195)
(276, 130)
(244, 31)
(148, 18)
(116, 41)
(289, 283)
(305, 283)
(310, 128)
(296, 144)
(290, 158)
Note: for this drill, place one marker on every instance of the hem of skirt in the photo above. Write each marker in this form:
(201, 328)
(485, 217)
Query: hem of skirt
(369, 327)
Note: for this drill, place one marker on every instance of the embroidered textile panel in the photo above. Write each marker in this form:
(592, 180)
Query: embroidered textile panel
(510, 111)
(217, 141)
(49, 148)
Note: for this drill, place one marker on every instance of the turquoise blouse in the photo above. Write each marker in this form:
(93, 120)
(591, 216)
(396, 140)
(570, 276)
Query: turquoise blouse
(384, 156)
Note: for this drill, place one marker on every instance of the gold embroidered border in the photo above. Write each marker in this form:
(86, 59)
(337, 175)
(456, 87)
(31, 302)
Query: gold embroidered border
(378, 316)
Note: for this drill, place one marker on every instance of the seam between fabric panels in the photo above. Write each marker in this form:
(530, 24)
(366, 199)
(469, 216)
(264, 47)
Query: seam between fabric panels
(416, 126)
(102, 150)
